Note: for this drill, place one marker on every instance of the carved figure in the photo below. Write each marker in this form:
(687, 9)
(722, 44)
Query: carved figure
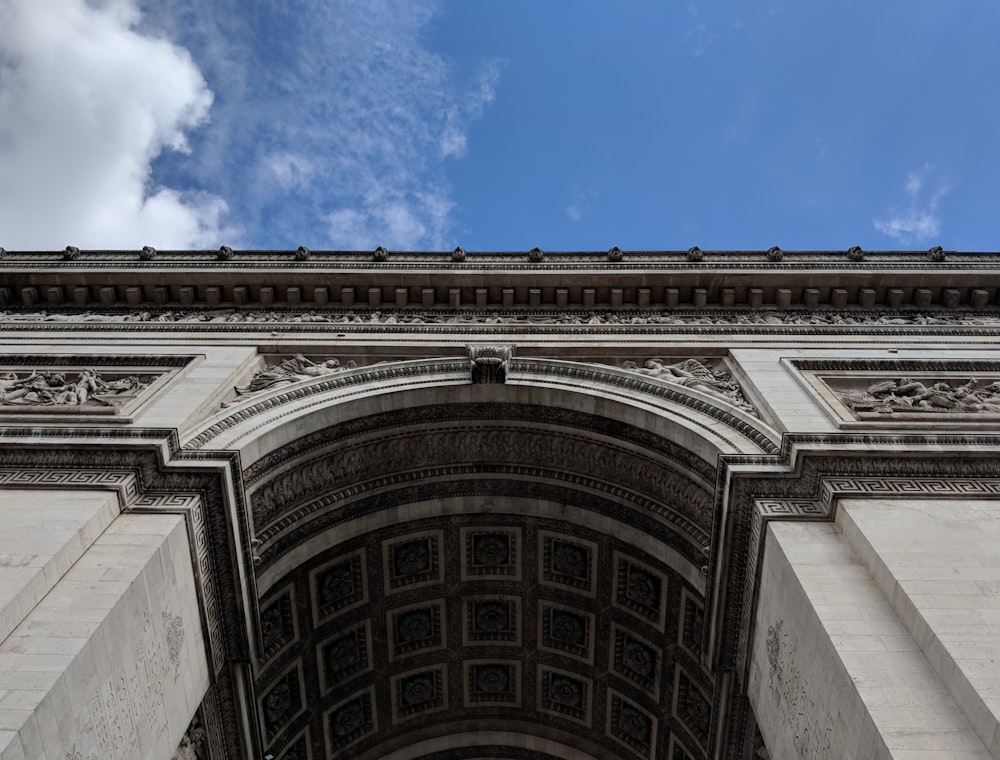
(694, 373)
(193, 745)
(908, 395)
(471, 318)
(52, 388)
(291, 371)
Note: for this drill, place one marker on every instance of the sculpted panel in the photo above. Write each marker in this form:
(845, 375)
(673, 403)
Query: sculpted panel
(83, 389)
(904, 393)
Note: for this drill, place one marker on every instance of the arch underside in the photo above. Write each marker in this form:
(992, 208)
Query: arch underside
(482, 570)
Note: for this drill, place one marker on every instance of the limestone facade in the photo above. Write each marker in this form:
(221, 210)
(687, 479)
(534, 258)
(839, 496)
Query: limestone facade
(615, 505)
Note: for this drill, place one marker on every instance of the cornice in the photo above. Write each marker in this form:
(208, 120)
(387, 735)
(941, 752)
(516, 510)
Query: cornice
(246, 282)
(692, 258)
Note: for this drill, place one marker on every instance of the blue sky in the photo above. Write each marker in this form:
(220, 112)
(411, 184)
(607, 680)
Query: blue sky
(499, 124)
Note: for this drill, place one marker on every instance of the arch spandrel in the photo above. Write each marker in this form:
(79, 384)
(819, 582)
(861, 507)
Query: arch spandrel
(432, 551)
(261, 423)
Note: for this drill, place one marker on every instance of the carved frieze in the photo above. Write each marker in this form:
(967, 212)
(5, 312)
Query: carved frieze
(905, 396)
(396, 318)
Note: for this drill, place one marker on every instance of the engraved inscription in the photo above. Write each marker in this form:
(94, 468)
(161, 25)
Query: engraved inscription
(125, 706)
(812, 727)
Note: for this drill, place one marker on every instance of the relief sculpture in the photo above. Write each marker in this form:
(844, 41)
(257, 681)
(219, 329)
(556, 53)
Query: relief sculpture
(912, 396)
(89, 388)
(665, 317)
(699, 375)
(291, 371)
(194, 743)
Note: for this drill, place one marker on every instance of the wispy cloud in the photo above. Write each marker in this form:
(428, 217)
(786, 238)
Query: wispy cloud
(182, 123)
(920, 219)
(579, 207)
(87, 104)
(334, 123)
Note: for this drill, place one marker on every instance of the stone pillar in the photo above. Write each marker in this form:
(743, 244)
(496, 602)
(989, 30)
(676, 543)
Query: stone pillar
(102, 653)
(838, 667)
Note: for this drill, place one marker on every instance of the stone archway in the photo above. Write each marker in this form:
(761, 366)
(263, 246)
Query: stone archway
(519, 565)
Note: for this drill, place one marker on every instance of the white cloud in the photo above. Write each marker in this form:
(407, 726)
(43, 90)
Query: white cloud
(334, 123)
(88, 103)
(920, 220)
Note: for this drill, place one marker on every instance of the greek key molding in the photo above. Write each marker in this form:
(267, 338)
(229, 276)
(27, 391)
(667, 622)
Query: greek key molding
(124, 483)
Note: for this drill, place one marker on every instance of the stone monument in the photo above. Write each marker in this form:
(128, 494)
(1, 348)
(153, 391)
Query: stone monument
(439, 506)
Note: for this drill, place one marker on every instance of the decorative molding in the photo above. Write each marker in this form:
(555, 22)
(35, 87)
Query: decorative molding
(527, 416)
(372, 464)
(353, 379)
(622, 383)
(124, 482)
